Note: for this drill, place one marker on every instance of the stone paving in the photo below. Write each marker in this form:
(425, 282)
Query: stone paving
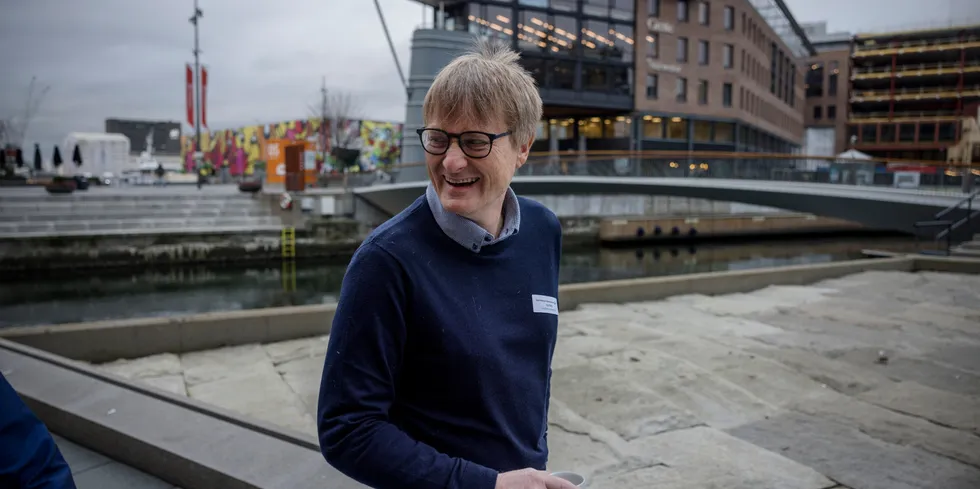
(870, 381)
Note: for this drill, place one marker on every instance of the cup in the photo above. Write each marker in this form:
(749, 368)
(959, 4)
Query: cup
(572, 477)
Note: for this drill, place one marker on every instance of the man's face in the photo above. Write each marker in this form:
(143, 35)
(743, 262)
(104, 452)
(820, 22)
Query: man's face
(470, 186)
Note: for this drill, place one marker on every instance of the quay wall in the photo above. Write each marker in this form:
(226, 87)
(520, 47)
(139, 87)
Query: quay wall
(104, 341)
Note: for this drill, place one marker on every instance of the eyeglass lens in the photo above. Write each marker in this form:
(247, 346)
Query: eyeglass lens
(474, 144)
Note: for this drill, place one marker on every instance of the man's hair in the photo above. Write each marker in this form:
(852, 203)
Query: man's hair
(483, 85)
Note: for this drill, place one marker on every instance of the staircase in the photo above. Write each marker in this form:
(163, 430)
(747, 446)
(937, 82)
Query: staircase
(32, 213)
(969, 249)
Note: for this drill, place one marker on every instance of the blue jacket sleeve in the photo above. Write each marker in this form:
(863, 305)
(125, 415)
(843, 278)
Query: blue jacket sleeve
(29, 458)
(358, 387)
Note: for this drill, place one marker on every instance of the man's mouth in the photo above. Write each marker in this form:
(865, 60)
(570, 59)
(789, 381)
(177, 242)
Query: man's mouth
(461, 182)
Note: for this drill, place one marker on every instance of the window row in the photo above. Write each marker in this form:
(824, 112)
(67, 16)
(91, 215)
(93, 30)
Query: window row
(818, 112)
(681, 89)
(685, 8)
(923, 132)
(682, 48)
(561, 74)
(820, 81)
(758, 106)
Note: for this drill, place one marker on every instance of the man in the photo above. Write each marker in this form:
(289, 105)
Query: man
(438, 368)
(29, 458)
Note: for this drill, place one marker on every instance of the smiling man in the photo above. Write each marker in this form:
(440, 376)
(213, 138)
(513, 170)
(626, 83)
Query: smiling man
(438, 369)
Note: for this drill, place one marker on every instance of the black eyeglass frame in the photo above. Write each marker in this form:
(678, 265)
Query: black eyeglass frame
(458, 137)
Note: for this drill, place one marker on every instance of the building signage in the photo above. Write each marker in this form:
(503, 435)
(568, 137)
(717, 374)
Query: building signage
(658, 66)
(655, 25)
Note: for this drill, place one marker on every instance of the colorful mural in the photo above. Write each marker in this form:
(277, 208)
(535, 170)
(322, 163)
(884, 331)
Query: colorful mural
(241, 149)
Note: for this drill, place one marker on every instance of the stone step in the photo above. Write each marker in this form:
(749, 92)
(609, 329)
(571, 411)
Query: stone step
(959, 251)
(252, 230)
(143, 224)
(971, 245)
(126, 213)
(21, 207)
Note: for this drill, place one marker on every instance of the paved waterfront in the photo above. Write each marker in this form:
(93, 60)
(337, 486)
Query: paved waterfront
(870, 381)
(92, 470)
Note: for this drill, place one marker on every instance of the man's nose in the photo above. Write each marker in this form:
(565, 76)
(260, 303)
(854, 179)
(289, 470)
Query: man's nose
(454, 160)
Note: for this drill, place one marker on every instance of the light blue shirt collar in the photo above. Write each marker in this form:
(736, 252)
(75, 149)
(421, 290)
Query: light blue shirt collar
(469, 234)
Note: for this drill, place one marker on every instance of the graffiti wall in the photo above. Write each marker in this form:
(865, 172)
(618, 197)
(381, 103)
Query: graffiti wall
(241, 149)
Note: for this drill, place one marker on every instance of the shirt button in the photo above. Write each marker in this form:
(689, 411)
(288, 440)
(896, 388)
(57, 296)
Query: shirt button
(476, 247)
(487, 238)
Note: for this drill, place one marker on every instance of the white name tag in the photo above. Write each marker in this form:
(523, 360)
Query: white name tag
(544, 304)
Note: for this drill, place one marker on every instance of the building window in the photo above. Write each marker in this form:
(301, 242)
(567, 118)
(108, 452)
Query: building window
(817, 112)
(832, 83)
(593, 39)
(653, 8)
(729, 18)
(724, 132)
(703, 50)
(727, 56)
(562, 42)
(622, 37)
(595, 78)
(683, 10)
(599, 8)
(653, 127)
(832, 112)
(814, 81)
(562, 74)
(681, 89)
(726, 95)
(704, 13)
(622, 9)
(652, 82)
(702, 131)
(653, 45)
(703, 92)
(682, 50)
(676, 128)
(534, 3)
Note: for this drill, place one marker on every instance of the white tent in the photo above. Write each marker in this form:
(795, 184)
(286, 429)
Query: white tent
(853, 154)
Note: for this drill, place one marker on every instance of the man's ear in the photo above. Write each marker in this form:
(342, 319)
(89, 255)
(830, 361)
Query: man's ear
(523, 152)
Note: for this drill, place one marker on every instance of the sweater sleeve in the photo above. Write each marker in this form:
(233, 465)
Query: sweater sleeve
(29, 457)
(358, 387)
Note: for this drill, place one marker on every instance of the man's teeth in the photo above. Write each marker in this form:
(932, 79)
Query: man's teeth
(462, 181)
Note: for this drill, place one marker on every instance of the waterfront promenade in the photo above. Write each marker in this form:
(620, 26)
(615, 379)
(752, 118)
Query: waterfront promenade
(866, 381)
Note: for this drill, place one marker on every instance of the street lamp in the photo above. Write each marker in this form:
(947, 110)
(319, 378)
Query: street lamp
(198, 155)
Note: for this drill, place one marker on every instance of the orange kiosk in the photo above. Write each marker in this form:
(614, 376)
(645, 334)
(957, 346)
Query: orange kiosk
(291, 163)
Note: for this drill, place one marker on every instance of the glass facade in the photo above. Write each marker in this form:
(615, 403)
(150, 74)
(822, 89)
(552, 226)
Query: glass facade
(583, 53)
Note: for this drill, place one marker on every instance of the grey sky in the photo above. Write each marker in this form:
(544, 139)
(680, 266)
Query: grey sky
(124, 58)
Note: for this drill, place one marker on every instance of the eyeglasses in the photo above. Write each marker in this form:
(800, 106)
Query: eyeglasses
(474, 144)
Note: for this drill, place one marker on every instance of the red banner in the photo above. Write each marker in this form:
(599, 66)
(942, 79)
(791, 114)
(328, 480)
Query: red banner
(190, 95)
(204, 97)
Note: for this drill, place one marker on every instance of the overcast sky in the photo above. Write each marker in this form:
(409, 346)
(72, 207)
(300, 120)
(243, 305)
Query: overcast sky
(124, 58)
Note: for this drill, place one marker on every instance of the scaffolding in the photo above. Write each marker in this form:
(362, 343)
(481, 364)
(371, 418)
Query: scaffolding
(779, 18)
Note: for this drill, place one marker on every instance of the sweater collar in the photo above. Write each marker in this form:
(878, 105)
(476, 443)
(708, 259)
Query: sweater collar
(467, 233)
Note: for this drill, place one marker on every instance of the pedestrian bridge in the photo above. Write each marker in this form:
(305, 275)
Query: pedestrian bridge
(859, 194)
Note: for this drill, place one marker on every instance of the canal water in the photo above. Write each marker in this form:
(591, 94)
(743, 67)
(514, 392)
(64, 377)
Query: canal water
(196, 290)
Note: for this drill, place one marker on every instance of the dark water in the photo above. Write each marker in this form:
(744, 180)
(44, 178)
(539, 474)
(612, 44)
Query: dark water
(196, 290)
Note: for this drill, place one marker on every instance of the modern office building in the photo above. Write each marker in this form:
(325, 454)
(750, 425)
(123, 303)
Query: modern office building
(910, 90)
(826, 88)
(723, 75)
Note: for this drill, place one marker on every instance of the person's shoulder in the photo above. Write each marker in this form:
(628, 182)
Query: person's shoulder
(400, 232)
(537, 214)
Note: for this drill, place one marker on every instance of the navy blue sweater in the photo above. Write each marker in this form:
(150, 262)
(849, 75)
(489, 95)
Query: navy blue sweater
(29, 457)
(438, 368)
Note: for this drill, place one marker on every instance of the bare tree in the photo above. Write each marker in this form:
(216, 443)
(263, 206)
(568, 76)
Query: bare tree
(336, 110)
(15, 127)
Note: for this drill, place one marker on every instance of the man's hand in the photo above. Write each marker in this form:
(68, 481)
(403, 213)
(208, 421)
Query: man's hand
(531, 479)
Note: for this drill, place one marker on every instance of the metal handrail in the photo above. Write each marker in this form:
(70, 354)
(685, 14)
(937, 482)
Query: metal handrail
(948, 224)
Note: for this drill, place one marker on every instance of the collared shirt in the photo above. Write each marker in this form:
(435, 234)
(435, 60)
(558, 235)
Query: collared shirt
(468, 233)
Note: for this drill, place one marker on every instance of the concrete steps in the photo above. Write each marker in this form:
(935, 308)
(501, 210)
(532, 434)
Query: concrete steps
(154, 211)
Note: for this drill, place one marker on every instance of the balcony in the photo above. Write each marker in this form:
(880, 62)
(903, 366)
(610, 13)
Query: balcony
(883, 117)
(909, 94)
(916, 70)
(914, 47)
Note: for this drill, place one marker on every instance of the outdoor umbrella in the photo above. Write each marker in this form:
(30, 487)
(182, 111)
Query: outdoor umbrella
(37, 157)
(76, 156)
(56, 159)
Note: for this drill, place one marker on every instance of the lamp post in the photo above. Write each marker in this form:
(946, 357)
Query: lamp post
(198, 154)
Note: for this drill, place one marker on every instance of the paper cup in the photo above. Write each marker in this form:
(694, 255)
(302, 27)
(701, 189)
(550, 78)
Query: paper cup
(572, 477)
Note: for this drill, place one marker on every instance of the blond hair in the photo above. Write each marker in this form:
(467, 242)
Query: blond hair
(483, 85)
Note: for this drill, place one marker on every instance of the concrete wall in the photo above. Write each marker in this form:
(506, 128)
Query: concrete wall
(643, 205)
(110, 340)
(432, 50)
